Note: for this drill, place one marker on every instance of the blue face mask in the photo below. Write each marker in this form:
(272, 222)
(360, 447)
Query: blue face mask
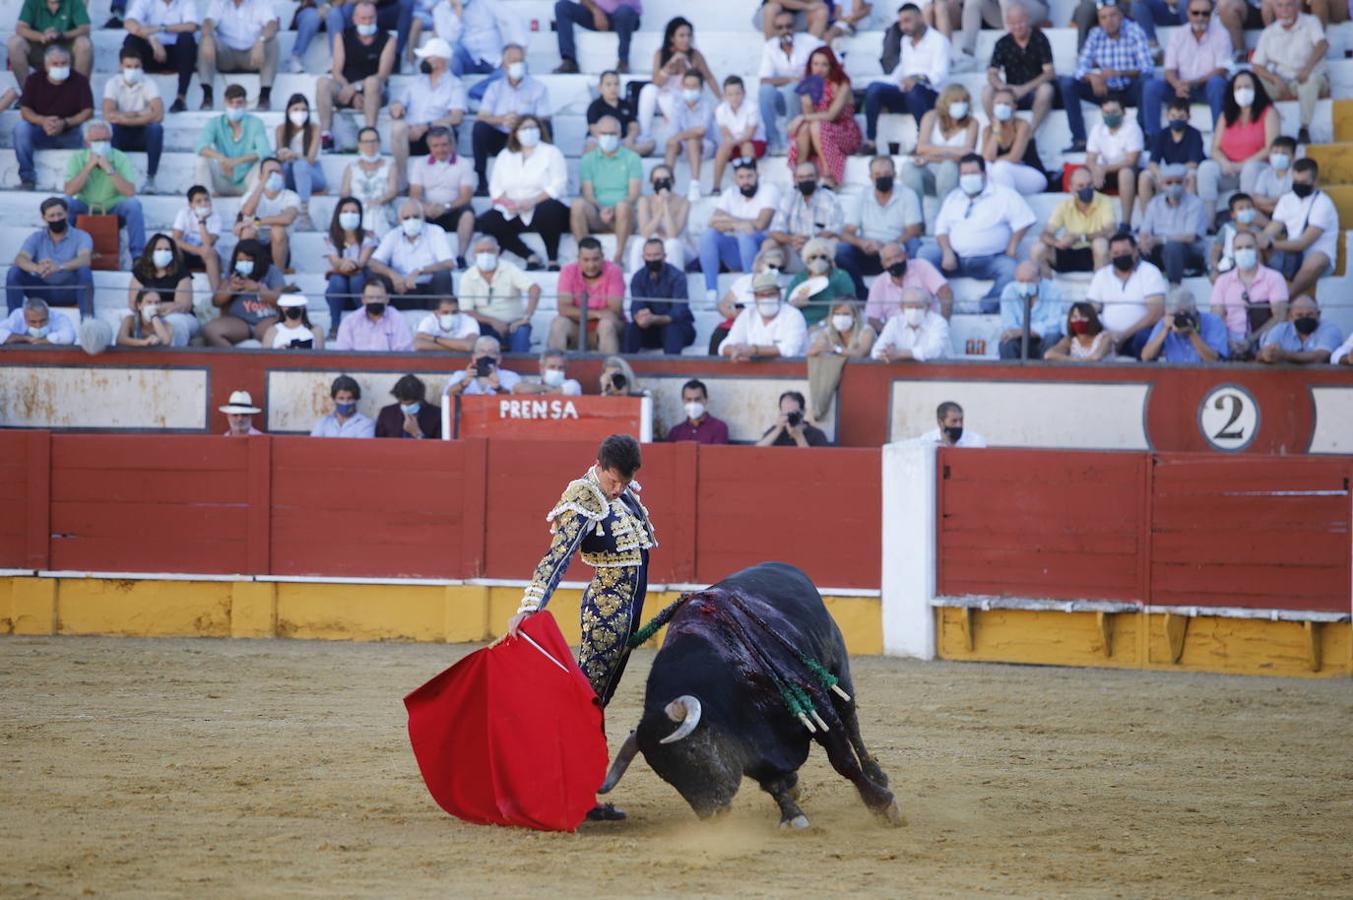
(40, 332)
(345, 409)
(410, 409)
(1026, 288)
(274, 183)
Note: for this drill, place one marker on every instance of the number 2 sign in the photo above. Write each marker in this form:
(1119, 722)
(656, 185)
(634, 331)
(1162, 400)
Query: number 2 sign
(1228, 418)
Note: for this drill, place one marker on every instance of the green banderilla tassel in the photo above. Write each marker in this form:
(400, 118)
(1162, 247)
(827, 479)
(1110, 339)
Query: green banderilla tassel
(642, 636)
(827, 679)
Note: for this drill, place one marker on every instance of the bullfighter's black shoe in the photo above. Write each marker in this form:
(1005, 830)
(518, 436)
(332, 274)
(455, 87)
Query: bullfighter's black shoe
(605, 812)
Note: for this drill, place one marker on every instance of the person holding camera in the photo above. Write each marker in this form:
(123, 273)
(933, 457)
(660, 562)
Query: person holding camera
(790, 430)
(484, 375)
(1187, 336)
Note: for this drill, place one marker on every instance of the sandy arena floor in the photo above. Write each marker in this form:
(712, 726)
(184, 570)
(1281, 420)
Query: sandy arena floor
(266, 768)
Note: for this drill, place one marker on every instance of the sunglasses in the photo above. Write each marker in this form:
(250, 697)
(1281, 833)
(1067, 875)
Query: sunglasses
(1200, 13)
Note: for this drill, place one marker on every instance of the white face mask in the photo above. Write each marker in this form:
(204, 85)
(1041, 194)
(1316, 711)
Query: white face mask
(448, 321)
(1279, 161)
(349, 221)
(608, 143)
(149, 311)
(690, 96)
(412, 227)
(486, 262)
(528, 137)
(694, 410)
(769, 307)
(99, 148)
(971, 183)
(958, 109)
(162, 258)
(1244, 96)
(298, 117)
(516, 71)
(202, 212)
(552, 377)
(1003, 111)
(915, 315)
(58, 73)
(370, 157)
(843, 321)
(818, 265)
(133, 75)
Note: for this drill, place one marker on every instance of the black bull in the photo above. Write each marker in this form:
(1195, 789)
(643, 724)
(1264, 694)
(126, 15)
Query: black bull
(715, 708)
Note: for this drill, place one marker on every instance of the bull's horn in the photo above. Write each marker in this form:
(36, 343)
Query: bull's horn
(686, 710)
(623, 758)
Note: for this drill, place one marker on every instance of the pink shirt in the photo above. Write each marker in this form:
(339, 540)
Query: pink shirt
(358, 332)
(1241, 141)
(611, 284)
(1193, 58)
(252, 431)
(1229, 292)
(885, 296)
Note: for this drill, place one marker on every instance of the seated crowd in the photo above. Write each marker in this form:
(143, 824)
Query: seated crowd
(1246, 211)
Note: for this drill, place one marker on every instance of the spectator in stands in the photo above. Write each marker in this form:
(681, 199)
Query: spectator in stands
(162, 269)
(663, 214)
(1275, 176)
(1110, 68)
(391, 15)
(917, 334)
(699, 425)
(737, 228)
(145, 327)
(790, 428)
(197, 228)
(807, 212)
(47, 24)
(529, 177)
(348, 247)
(1086, 339)
(268, 212)
(132, 105)
(410, 416)
(444, 182)
(946, 134)
(784, 59)
(163, 33)
(808, 292)
(1290, 60)
(1046, 312)
(294, 331)
(1009, 148)
(1022, 63)
(53, 263)
(1341, 357)
(847, 16)
(1249, 124)
(1076, 237)
(739, 295)
(478, 34)
(826, 131)
(553, 377)
(239, 413)
(1196, 62)
(33, 323)
(484, 374)
(1250, 297)
(769, 328)
(921, 71)
(1187, 335)
(305, 22)
(435, 97)
(1303, 339)
(899, 275)
(660, 314)
(610, 176)
(950, 431)
(617, 379)
(601, 285)
(345, 421)
(994, 14)
(508, 102)
(886, 214)
(978, 230)
(379, 327)
(447, 328)
(56, 102)
(239, 36)
(1178, 143)
(1302, 240)
(1113, 152)
(359, 76)
(373, 180)
(1131, 293)
(298, 146)
(99, 179)
(845, 332)
(231, 146)
(247, 299)
(416, 258)
(620, 16)
(499, 296)
(1173, 232)
(692, 129)
(809, 15)
(1244, 220)
(671, 61)
(610, 103)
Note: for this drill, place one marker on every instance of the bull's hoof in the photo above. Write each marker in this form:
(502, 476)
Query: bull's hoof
(892, 815)
(798, 823)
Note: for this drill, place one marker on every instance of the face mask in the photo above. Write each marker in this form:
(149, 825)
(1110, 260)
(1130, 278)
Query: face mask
(293, 313)
(486, 262)
(447, 321)
(58, 73)
(1123, 262)
(843, 322)
(244, 267)
(1279, 161)
(1085, 195)
(768, 308)
(1113, 120)
(1245, 216)
(367, 30)
(773, 269)
(410, 409)
(349, 221)
(370, 157)
(133, 76)
(375, 310)
(662, 184)
(99, 148)
(162, 258)
(1247, 257)
(38, 332)
(971, 183)
(958, 110)
(274, 183)
(528, 137)
(1244, 96)
(1080, 326)
(234, 113)
(690, 96)
(694, 410)
(1003, 112)
(1026, 288)
(552, 377)
(1305, 327)
(954, 432)
(898, 269)
(654, 265)
(818, 265)
(914, 315)
(1303, 190)
(516, 71)
(1178, 125)
(884, 184)
(345, 409)
(150, 311)
(806, 187)
(202, 212)
(1174, 191)
(58, 226)
(608, 143)
(748, 190)
(298, 117)
(425, 67)
(412, 227)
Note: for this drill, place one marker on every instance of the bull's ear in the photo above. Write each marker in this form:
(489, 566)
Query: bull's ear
(686, 710)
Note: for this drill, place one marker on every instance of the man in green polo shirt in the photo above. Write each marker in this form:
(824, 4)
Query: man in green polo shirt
(610, 175)
(231, 147)
(46, 22)
(100, 179)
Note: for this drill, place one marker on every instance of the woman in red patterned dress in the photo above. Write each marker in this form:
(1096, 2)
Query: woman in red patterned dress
(826, 132)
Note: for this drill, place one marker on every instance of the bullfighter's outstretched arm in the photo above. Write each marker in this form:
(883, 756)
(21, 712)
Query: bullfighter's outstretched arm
(581, 506)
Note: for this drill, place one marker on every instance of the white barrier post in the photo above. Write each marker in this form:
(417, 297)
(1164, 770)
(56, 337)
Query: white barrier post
(908, 577)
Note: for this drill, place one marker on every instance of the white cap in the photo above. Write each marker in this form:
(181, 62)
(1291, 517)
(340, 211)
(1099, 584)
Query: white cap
(291, 300)
(241, 404)
(434, 47)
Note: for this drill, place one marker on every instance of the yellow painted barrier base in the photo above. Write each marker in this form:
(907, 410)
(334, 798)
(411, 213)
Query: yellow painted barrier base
(1142, 640)
(344, 612)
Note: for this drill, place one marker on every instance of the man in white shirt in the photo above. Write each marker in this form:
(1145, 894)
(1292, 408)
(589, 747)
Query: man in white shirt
(345, 421)
(770, 328)
(1111, 155)
(916, 334)
(164, 33)
(1344, 355)
(239, 36)
(553, 378)
(1304, 234)
(434, 98)
(1130, 294)
(922, 70)
(738, 226)
(268, 212)
(1290, 59)
(417, 257)
(479, 32)
(783, 59)
(445, 181)
(485, 374)
(446, 328)
(132, 105)
(978, 230)
(950, 432)
(500, 296)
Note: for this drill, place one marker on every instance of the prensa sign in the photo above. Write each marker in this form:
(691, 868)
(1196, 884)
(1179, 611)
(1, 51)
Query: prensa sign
(548, 418)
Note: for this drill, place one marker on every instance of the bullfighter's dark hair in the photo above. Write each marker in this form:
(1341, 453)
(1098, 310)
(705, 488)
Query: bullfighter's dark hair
(621, 453)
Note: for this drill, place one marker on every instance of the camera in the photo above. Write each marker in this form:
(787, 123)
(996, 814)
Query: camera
(619, 383)
(483, 366)
(1185, 320)
(795, 419)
